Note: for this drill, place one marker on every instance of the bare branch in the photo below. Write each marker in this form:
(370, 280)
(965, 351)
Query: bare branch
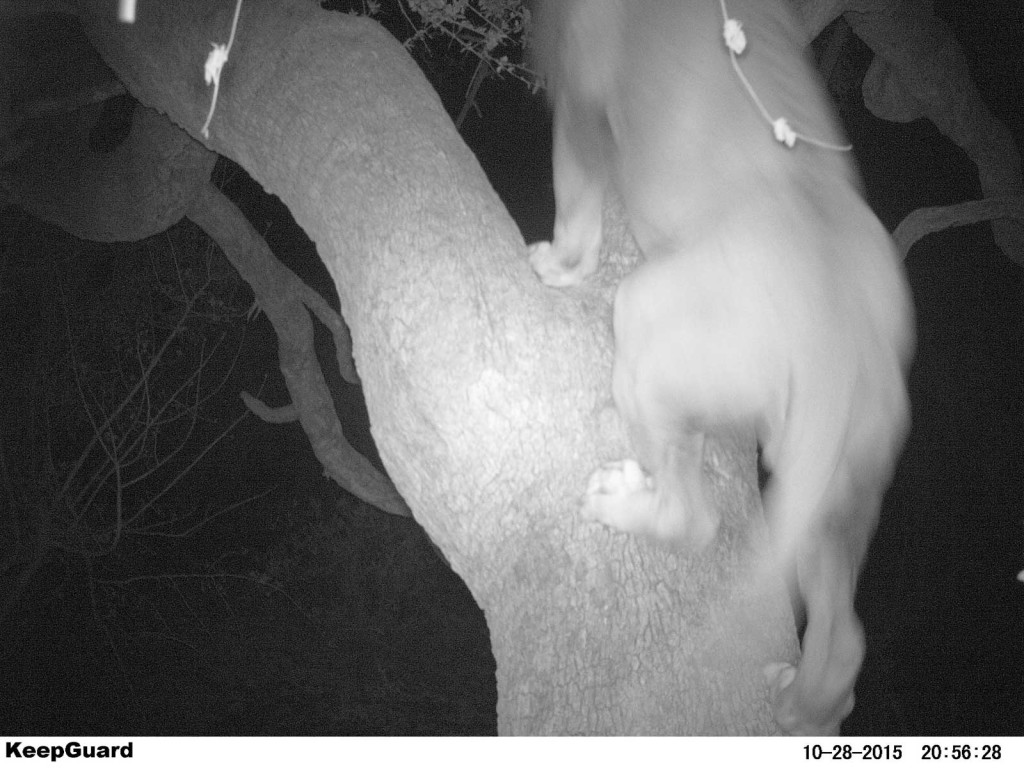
(283, 298)
(927, 73)
(925, 221)
(280, 415)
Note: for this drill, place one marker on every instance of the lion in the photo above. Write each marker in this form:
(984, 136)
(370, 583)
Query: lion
(770, 297)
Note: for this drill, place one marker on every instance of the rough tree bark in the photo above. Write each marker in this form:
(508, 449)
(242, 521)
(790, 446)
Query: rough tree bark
(488, 393)
(143, 187)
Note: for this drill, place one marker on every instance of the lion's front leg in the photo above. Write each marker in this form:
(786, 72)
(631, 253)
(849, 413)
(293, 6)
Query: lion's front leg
(580, 178)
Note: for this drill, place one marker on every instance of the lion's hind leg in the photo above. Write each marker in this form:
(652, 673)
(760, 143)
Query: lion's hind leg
(670, 507)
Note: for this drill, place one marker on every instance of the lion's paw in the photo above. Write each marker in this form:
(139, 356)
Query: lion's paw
(550, 266)
(792, 711)
(619, 494)
(779, 675)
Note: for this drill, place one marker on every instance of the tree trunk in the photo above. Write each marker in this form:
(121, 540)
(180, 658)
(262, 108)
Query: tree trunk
(488, 393)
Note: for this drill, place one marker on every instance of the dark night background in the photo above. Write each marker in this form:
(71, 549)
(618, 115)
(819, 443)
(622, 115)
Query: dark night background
(307, 612)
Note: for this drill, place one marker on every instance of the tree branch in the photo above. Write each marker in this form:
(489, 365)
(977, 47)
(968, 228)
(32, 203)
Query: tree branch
(924, 221)
(929, 70)
(283, 297)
